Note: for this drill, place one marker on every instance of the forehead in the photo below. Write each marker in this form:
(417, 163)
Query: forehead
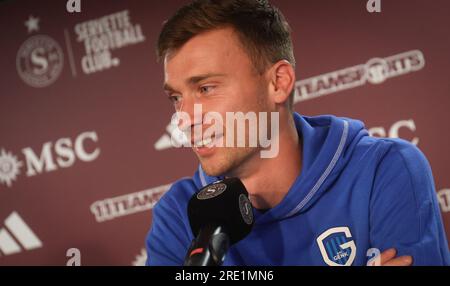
(216, 51)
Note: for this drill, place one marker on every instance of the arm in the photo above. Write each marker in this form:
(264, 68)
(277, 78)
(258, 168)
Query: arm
(168, 240)
(404, 213)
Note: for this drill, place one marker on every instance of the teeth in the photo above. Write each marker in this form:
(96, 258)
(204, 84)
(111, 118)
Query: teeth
(203, 142)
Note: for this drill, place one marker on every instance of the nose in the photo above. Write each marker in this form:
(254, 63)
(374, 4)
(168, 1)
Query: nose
(190, 114)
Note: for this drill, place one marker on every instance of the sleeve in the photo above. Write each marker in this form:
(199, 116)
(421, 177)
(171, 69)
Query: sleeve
(168, 239)
(404, 212)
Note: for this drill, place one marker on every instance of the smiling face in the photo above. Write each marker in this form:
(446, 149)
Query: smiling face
(212, 69)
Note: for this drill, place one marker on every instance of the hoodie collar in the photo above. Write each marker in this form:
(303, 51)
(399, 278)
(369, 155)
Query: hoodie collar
(327, 142)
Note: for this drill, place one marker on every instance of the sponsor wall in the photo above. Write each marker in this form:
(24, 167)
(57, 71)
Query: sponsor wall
(85, 149)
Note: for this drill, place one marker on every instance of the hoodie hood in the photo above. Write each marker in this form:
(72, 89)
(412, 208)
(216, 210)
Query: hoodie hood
(328, 142)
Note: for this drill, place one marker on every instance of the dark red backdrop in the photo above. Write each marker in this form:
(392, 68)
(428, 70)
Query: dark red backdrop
(83, 145)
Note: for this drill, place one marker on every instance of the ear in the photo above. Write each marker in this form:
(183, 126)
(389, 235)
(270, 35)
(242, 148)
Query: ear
(282, 80)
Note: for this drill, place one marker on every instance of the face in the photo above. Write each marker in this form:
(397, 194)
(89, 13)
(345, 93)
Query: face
(213, 70)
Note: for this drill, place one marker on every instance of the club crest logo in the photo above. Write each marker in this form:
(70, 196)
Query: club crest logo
(337, 247)
(39, 61)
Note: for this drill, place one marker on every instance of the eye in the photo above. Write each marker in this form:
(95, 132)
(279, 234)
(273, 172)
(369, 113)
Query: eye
(176, 99)
(206, 88)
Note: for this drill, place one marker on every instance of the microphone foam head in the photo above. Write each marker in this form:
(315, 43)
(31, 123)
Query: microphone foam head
(223, 203)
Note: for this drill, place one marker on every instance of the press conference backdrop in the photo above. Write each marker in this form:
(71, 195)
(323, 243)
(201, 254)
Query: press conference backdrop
(85, 148)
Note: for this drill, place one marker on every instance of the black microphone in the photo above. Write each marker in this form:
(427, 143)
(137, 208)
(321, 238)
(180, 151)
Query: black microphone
(220, 215)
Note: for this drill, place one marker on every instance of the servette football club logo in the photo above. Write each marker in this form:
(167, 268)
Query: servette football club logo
(336, 246)
(40, 59)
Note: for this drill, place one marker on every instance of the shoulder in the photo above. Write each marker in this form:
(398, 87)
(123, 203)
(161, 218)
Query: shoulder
(394, 152)
(404, 157)
(398, 167)
(403, 171)
(178, 194)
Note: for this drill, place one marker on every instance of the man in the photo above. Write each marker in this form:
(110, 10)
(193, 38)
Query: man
(332, 195)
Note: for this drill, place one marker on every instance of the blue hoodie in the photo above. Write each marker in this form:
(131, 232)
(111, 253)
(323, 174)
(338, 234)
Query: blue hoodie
(355, 195)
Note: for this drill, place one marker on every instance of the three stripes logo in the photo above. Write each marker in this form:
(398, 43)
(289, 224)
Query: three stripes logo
(172, 137)
(17, 236)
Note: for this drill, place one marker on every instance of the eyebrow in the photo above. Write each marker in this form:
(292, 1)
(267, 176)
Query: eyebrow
(199, 78)
(194, 80)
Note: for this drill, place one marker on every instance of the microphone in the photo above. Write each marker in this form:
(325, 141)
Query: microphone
(220, 215)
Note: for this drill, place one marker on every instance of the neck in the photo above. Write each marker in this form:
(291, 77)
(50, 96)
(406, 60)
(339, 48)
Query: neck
(269, 180)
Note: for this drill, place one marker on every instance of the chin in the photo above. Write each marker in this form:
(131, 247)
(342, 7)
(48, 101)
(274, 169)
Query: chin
(216, 166)
(213, 169)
